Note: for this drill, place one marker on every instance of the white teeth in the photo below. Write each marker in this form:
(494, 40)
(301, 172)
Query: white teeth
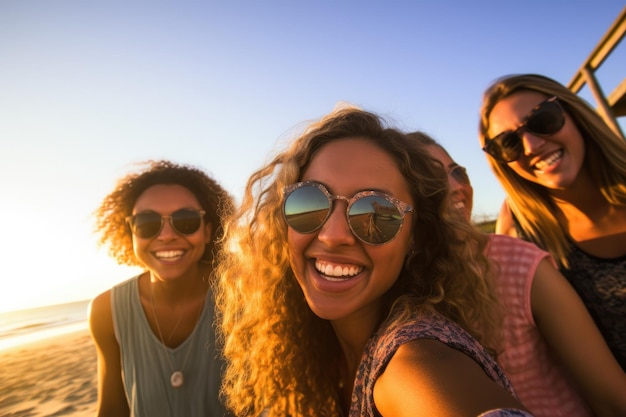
(337, 272)
(459, 205)
(169, 254)
(550, 160)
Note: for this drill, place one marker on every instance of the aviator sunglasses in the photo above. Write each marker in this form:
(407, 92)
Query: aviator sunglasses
(149, 224)
(374, 218)
(545, 119)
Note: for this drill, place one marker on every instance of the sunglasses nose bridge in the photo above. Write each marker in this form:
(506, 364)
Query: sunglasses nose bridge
(336, 228)
(332, 206)
(167, 227)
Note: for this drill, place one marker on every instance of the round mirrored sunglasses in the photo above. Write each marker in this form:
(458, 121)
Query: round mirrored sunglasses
(374, 218)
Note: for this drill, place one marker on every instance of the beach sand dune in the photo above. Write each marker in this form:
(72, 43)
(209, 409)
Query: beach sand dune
(52, 377)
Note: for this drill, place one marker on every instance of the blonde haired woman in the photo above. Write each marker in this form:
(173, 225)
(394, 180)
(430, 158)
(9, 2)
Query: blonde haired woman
(564, 174)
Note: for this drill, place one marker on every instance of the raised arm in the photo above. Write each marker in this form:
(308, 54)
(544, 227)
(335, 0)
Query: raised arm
(111, 396)
(426, 377)
(571, 333)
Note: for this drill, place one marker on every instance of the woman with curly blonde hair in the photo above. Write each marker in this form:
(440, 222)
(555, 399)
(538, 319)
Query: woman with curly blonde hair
(564, 173)
(349, 287)
(157, 355)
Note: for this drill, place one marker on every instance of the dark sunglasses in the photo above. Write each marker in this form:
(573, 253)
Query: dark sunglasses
(459, 174)
(149, 224)
(374, 218)
(545, 119)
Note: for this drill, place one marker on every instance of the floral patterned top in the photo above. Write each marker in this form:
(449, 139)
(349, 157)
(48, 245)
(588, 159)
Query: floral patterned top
(386, 341)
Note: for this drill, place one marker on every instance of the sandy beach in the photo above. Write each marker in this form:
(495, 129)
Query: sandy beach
(51, 377)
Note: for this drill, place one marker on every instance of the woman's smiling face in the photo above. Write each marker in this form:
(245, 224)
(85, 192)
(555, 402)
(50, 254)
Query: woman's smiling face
(461, 192)
(340, 275)
(170, 254)
(552, 161)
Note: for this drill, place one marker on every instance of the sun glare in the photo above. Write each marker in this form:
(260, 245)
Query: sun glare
(52, 258)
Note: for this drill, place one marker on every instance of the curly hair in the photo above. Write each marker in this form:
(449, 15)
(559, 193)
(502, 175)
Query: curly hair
(281, 357)
(531, 203)
(114, 233)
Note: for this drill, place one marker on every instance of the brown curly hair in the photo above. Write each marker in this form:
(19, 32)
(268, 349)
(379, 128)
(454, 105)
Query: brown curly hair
(110, 216)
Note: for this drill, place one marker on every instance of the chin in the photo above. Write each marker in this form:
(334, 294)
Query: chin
(466, 214)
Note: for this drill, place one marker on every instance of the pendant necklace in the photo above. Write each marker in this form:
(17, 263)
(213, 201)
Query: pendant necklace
(176, 379)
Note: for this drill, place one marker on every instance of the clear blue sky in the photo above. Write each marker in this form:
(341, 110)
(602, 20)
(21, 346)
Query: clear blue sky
(88, 88)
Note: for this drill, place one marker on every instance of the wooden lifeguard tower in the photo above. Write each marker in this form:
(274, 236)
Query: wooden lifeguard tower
(614, 105)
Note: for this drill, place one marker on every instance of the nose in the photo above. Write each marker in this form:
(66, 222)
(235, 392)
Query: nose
(455, 185)
(532, 143)
(457, 189)
(336, 231)
(167, 231)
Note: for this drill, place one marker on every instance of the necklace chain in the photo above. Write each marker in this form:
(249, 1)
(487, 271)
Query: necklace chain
(176, 378)
(180, 318)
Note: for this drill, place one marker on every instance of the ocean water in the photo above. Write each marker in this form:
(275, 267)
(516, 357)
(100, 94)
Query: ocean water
(29, 325)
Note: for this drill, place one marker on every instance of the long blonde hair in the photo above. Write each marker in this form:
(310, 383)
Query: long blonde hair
(531, 203)
(281, 357)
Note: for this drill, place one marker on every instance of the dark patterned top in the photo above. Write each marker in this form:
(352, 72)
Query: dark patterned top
(601, 284)
(386, 341)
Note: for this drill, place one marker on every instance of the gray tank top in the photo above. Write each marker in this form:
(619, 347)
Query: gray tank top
(146, 371)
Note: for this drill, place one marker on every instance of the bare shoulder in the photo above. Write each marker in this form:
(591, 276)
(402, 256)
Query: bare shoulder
(430, 378)
(100, 316)
(504, 222)
(550, 291)
(100, 304)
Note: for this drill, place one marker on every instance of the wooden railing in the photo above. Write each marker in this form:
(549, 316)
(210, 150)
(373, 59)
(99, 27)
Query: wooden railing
(614, 105)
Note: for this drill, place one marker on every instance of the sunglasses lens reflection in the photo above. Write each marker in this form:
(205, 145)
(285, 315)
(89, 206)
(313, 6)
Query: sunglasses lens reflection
(547, 120)
(511, 146)
(146, 225)
(374, 220)
(306, 209)
(186, 222)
